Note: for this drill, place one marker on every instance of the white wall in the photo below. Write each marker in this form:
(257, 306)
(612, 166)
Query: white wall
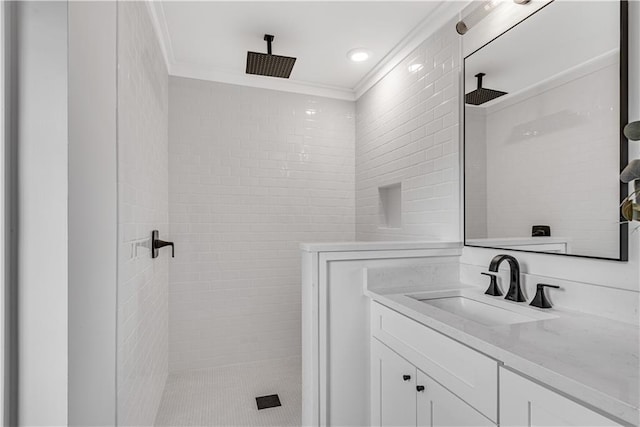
(253, 173)
(42, 206)
(142, 207)
(407, 133)
(62, 123)
(92, 213)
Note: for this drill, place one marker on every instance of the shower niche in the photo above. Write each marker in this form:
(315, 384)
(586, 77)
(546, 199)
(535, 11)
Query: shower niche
(390, 204)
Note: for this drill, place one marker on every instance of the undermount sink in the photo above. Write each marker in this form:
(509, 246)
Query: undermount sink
(481, 309)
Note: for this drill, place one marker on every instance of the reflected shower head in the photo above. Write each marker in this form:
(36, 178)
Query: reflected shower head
(482, 95)
(266, 64)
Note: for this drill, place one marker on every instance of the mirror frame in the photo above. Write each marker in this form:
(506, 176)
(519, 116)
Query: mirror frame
(624, 143)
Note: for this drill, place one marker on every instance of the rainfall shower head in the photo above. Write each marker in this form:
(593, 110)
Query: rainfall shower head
(482, 95)
(266, 64)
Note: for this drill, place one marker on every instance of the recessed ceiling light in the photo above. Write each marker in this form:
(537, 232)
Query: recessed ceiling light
(358, 55)
(414, 68)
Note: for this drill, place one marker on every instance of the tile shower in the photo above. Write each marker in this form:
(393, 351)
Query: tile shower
(252, 173)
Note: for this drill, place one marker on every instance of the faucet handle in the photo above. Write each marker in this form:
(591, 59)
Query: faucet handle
(540, 300)
(493, 288)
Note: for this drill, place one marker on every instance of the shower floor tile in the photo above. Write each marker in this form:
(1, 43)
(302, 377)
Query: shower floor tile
(226, 396)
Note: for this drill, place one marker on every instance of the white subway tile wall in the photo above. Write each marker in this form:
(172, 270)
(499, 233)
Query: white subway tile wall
(253, 173)
(142, 207)
(407, 132)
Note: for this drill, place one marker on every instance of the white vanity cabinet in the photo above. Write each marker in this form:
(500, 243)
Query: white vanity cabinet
(437, 407)
(420, 377)
(466, 373)
(460, 384)
(393, 388)
(525, 403)
(402, 395)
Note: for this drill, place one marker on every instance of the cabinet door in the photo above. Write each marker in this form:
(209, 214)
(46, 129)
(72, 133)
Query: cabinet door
(438, 407)
(393, 388)
(525, 403)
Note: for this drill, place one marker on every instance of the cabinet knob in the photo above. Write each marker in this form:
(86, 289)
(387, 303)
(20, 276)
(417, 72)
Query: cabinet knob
(406, 377)
(420, 388)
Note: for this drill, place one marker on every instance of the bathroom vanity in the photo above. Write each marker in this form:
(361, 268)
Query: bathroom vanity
(492, 362)
(392, 337)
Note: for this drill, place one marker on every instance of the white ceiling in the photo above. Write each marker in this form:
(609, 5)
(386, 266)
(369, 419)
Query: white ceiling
(210, 39)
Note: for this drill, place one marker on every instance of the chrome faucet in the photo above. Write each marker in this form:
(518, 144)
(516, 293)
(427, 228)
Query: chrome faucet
(515, 292)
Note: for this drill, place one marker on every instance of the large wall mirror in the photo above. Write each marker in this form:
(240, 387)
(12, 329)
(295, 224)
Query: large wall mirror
(545, 103)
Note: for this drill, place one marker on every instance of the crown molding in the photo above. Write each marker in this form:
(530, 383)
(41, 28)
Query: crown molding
(174, 68)
(284, 85)
(563, 77)
(445, 11)
(427, 27)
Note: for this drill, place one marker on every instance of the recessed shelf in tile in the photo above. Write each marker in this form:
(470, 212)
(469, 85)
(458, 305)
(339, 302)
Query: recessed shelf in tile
(390, 206)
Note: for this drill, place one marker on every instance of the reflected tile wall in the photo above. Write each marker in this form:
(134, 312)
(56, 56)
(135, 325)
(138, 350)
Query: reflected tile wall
(547, 139)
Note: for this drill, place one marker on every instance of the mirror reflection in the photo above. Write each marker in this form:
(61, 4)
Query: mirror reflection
(542, 134)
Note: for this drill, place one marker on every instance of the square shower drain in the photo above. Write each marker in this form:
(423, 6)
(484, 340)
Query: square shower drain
(270, 401)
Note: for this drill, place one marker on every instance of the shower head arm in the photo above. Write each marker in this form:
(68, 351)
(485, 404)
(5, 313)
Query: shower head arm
(268, 38)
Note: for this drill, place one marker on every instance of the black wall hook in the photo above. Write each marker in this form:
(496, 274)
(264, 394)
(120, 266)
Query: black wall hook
(156, 244)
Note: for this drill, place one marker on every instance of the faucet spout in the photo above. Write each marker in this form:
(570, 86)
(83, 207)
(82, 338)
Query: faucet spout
(515, 291)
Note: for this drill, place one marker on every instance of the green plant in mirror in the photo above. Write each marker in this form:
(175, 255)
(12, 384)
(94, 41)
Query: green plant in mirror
(630, 210)
(632, 131)
(629, 207)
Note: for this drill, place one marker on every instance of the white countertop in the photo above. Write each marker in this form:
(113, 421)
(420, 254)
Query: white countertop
(376, 246)
(592, 359)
